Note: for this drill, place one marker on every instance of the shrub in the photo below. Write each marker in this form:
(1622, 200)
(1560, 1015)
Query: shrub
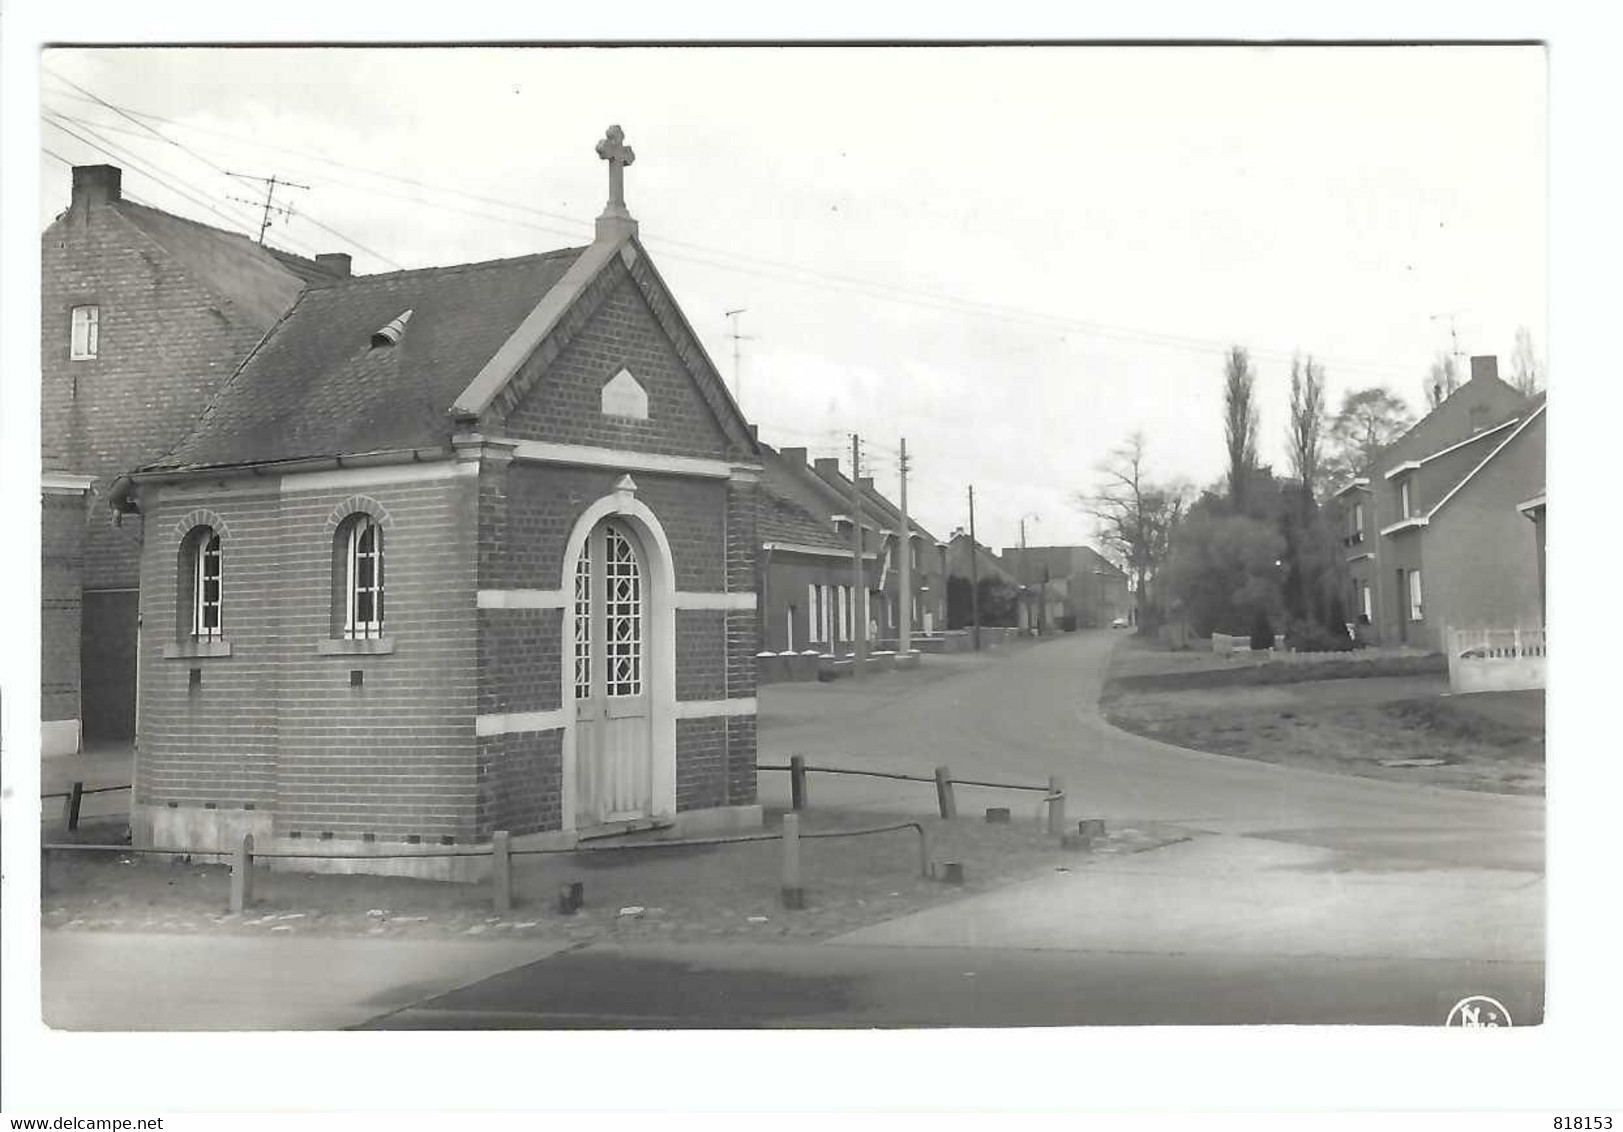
(1262, 632)
(1305, 636)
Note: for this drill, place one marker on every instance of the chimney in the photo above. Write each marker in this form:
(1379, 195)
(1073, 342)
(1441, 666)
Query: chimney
(794, 456)
(1485, 365)
(828, 465)
(865, 482)
(336, 264)
(755, 432)
(95, 185)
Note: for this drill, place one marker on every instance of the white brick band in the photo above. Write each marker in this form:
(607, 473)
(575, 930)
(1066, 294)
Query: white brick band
(506, 723)
(695, 600)
(710, 709)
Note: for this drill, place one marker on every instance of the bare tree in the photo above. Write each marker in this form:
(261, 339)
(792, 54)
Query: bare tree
(1239, 419)
(1306, 433)
(1134, 517)
(1442, 379)
(1527, 372)
(1369, 419)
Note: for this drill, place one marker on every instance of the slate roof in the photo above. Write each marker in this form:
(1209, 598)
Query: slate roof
(790, 512)
(317, 387)
(262, 281)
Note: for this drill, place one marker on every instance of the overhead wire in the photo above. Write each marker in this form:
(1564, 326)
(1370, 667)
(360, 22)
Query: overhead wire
(775, 269)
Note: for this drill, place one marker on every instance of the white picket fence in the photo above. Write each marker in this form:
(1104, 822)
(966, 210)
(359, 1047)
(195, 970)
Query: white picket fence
(1496, 660)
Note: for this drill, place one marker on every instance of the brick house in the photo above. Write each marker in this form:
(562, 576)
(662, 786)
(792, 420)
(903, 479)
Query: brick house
(807, 579)
(928, 576)
(1085, 590)
(456, 550)
(143, 315)
(1437, 532)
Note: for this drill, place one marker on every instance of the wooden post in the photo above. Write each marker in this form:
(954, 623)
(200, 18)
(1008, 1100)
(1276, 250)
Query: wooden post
(501, 870)
(1056, 806)
(242, 881)
(74, 800)
(924, 853)
(943, 793)
(793, 892)
(797, 782)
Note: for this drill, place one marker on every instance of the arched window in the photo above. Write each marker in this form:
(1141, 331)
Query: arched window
(358, 578)
(201, 584)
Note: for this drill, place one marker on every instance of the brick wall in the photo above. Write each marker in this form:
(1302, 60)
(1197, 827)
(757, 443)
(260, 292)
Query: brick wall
(277, 723)
(521, 782)
(566, 405)
(61, 560)
(166, 342)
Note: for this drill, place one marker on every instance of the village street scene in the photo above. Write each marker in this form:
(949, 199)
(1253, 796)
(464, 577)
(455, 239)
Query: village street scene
(803, 571)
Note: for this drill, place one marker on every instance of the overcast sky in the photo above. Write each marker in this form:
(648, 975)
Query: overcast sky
(1013, 257)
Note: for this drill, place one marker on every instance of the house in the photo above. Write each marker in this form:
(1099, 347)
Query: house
(927, 568)
(455, 551)
(968, 559)
(143, 316)
(1437, 533)
(1084, 589)
(807, 579)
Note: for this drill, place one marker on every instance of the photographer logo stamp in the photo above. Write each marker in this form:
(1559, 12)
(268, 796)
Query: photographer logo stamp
(1478, 1010)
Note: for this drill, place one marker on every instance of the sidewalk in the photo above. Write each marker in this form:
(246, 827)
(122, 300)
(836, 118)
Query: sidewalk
(1226, 895)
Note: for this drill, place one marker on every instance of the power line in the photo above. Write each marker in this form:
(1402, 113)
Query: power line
(830, 280)
(206, 161)
(118, 153)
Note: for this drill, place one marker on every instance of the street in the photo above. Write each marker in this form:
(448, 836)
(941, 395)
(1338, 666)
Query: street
(1298, 897)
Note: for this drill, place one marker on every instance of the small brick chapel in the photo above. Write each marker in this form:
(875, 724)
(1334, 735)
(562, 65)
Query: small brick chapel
(455, 550)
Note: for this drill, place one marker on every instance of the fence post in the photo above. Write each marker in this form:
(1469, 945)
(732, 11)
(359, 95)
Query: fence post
(797, 782)
(74, 800)
(501, 870)
(1056, 806)
(242, 882)
(792, 893)
(924, 851)
(943, 793)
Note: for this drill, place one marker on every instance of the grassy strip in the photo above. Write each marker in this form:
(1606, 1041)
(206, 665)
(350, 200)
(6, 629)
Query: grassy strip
(1278, 672)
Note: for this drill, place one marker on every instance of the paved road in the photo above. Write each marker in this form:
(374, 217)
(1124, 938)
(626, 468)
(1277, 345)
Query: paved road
(134, 981)
(1299, 897)
(720, 986)
(1034, 713)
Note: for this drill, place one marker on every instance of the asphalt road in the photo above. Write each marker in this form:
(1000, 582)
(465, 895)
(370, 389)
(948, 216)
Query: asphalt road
(720, 986)
(1299, 898)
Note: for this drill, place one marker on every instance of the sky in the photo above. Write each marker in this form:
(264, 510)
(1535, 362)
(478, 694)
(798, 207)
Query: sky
(1012, 257)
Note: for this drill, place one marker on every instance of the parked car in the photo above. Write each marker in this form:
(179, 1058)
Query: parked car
(1119, 623)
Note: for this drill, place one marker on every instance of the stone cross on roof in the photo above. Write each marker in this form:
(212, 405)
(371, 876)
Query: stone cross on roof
(618, 154)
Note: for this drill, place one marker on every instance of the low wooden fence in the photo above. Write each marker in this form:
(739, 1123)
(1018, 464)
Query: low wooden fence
(501, 852)
(943, 781)
(73, 799)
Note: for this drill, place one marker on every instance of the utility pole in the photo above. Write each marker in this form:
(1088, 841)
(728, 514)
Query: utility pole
(271, 183)
(904, 637)
(859, 588)
(974, 575)
(738, 383)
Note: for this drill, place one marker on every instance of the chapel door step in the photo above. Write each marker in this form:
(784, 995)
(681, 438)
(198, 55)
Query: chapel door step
(622, 828)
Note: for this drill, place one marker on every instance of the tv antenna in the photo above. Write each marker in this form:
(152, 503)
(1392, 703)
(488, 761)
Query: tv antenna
(738, 388)
(269, 206)
(1453, 330)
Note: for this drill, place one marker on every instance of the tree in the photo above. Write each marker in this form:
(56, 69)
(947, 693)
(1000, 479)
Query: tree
(1527, 372)
(1306, 433)
(1134, 517)
(1239, 419)
(1225, 569)
(1369, 420)
(1441, 380)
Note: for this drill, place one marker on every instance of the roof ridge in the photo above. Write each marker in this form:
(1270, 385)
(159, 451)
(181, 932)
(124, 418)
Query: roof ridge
(279, 253)
(450, 268)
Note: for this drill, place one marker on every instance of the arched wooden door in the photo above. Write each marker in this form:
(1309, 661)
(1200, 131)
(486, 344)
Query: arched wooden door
(614, 781)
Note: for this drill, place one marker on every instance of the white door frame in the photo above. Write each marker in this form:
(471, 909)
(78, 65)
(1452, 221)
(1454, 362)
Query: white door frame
(660, 649)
